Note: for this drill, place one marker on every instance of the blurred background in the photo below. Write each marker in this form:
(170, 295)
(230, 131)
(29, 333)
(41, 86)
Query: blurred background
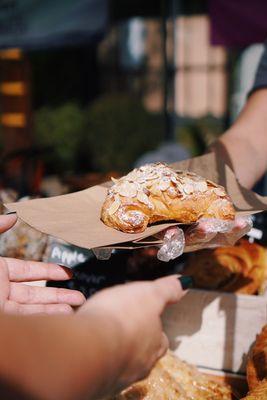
(90, 88)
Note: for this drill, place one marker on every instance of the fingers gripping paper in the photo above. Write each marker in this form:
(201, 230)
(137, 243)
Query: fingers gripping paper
(75, 217)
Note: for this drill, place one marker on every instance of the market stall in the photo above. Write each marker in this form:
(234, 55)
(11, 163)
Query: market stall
(62, 159)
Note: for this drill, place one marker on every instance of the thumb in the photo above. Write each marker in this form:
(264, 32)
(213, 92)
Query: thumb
(169, 291)
(7, 221)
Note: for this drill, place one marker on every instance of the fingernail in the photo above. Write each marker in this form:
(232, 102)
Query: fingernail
(186, 281)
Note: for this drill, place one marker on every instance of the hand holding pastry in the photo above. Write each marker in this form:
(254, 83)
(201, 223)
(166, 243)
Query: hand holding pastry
(207, 233)
(156, 193)
(210, 233)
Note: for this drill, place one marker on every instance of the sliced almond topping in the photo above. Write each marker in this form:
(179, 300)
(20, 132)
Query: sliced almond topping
(155, 191)
(114, 189)
(219, 191)
(212, 183)
(188, 188)
(187, 180)
(141, 180)
(127, 189)
(172, 192)
(151, 176)
(174, 180)
(180, 187)
(114, 180)
(114, 206)
(164, 184)
(149, 184)
(142, 197)
(201, 186)
(189, 173)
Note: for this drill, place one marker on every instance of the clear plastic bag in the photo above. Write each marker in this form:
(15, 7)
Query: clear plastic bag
(210, 233)
(102, 253)
(207, 233)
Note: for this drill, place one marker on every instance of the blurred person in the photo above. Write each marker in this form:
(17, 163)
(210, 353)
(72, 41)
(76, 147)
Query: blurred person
(244, 148)
(113, 340)
(167, 152)
(244, 145)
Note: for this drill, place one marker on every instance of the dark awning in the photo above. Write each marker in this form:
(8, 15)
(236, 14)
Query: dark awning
(238, 23)
(35, 24)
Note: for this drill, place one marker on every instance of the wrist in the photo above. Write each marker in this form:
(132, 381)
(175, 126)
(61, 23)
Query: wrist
(107, 340)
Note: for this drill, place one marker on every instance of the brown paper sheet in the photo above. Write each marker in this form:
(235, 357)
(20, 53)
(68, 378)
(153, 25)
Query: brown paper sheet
(75, 217)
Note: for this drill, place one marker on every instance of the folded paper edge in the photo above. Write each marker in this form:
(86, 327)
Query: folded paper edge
(257, 198)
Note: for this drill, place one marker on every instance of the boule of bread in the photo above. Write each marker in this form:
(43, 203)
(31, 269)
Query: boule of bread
(155, 193)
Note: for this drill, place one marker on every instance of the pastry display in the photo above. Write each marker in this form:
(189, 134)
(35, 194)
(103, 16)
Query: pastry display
(259, 393)
(240, 269)
(173, 379)
(257, 363)
(155, 193)
(6, 196)
(22, 241)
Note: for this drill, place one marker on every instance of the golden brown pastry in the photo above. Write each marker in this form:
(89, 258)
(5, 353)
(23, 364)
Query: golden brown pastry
(24, 242)
(239, 269)
(173, 379)
(155, 192)
(159, 385)
(259, 393)
(195, 384)
(257, 363)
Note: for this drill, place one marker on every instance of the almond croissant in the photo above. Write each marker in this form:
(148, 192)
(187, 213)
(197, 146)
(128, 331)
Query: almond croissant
(155, 193)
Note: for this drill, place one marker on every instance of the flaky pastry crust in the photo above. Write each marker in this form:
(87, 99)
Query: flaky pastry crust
(155, 193)
(257, 363)
(173, 379)
(258, 393)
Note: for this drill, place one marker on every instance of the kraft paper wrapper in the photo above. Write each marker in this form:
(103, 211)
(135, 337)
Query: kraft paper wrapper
(75, 217)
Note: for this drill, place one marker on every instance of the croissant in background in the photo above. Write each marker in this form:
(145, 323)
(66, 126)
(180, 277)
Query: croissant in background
(259, 393)
(155, 193)
(257, 368)
(257, 363)
(174, 379)
(240, 269)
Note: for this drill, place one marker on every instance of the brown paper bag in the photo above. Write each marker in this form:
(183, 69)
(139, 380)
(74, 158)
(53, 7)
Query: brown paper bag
(75, 217)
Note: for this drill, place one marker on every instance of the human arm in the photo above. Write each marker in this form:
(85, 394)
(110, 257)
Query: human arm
(244, 145)
(113, 341)
(244, 148)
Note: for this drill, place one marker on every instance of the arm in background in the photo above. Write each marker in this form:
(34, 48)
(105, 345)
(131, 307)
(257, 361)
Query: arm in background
(244, 145)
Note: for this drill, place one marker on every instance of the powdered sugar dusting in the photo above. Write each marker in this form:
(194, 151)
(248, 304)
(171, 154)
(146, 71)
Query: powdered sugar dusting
(154, 179)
